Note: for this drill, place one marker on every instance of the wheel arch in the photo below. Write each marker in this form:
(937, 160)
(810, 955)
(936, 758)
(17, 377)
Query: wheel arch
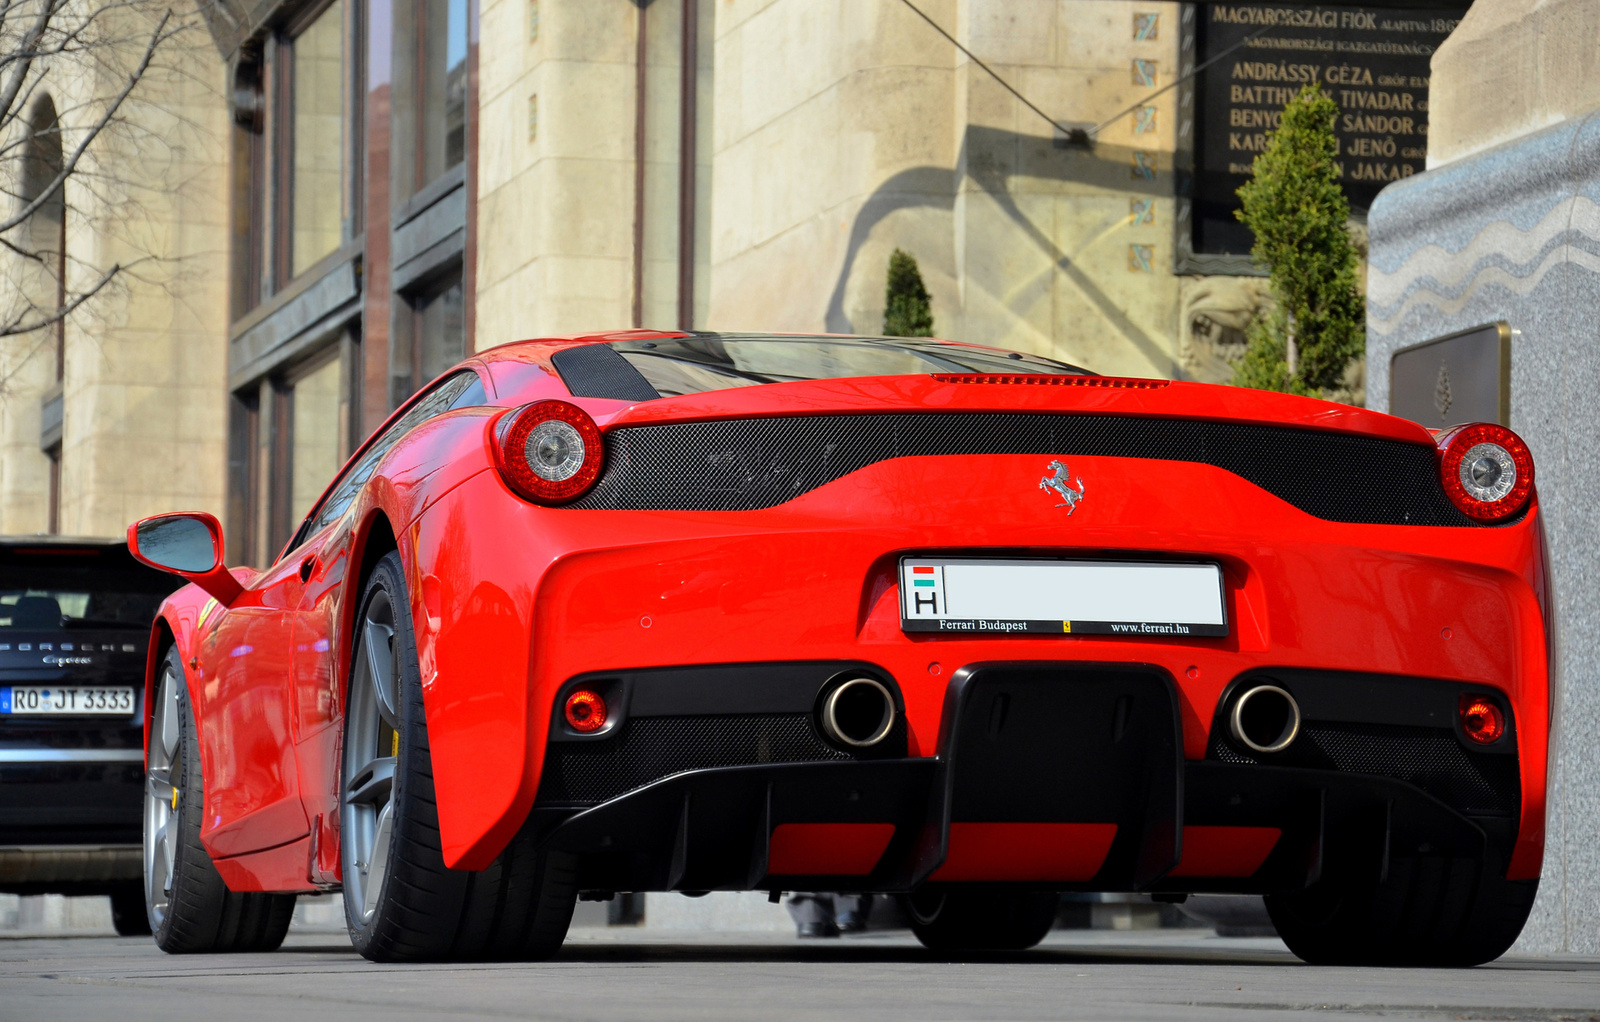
(374, 540)
(162, 639)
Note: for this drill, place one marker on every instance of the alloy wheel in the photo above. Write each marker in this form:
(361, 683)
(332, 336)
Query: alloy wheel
(370, 756)
(161, 798)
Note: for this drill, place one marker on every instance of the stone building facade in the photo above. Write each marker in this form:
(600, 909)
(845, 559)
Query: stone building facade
(116, 411)
(1505, 227)
(362, 191)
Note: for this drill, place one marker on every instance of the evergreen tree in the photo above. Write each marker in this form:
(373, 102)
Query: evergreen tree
(1298, 212)
(908, 311)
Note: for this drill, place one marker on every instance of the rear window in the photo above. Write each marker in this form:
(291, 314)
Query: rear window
(54, 594)
(693, 365)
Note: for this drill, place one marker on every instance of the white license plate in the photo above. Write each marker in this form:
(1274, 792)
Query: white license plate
(1050, 597)
(65, 700)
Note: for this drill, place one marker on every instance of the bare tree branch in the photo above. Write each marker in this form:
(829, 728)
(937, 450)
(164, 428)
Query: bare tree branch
(5, 12)
(23, 253)
(18, 326)
(19, 73)
(71, 165)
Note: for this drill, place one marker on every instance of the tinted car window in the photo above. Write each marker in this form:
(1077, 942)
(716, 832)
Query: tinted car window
(691, 365)
(55, 594)
(461, 390)
(52, 609)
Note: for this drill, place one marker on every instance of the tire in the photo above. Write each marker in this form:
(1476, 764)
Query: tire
(401, 902)
(979, 918)
(188, 908)
(128, 913)
(1427, 912)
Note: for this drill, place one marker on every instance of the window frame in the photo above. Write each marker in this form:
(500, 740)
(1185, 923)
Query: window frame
(276, 206)
(407, 336)
(412, 128)
(280, 492)
(284, 141)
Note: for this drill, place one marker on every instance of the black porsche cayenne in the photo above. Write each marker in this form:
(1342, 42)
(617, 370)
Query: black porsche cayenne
(74, 629)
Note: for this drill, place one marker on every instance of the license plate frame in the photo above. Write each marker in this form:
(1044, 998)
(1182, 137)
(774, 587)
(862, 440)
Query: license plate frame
(47, 700)
(1062, 597)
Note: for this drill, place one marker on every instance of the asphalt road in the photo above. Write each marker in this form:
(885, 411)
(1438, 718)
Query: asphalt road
(609, 974)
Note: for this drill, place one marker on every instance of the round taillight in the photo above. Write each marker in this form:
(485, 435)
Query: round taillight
(1481, 720)
(585, 711)
(549, 452)
(1486, 469)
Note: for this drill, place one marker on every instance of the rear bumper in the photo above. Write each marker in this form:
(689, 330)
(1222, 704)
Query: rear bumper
(1062, 776)
(70, 819)
(881, 827)
(59, 798)
(503, 626)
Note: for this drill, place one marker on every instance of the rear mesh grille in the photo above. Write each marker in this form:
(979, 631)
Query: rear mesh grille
(1429, 758)
(650, 748)
(749, 464)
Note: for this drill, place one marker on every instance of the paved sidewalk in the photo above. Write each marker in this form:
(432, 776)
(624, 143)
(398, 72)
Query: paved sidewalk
(617, 974)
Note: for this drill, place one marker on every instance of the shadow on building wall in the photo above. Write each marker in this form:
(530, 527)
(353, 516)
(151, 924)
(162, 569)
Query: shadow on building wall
(991, 159)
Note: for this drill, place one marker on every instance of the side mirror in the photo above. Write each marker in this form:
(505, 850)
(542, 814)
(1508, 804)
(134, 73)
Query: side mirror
(189, 545)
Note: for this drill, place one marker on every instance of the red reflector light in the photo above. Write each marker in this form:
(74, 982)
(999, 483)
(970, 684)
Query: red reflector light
(1482, 720)
(586, 711)
(1486, 469)
(549, 452)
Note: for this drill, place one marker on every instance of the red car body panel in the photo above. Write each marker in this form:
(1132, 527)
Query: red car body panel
(511, 599)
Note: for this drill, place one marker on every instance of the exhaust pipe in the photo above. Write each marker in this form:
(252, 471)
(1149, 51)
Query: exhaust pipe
(858, 712)
(1265, 718)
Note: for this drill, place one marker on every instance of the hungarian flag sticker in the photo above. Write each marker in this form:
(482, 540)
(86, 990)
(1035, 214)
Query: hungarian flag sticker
(921, 590)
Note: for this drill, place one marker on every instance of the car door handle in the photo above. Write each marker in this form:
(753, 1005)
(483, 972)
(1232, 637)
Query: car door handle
(307, 566)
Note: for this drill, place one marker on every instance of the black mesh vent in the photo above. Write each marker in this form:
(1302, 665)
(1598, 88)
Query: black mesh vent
(649, 748)
(599, 370)
(748, 464)
(1429, 758)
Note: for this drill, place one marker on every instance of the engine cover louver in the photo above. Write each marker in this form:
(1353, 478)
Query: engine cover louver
(754, 463)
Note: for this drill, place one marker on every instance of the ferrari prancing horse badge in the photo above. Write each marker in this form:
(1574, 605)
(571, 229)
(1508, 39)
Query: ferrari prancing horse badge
(1057, 481)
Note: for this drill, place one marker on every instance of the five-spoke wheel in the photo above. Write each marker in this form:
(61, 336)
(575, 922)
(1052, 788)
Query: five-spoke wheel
(161, 797)
(402, 903)
(372, 750)
(189, 907)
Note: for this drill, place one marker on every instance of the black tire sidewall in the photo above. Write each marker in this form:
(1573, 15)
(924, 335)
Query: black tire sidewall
(130, 910)
(188, 779)
(981, 918)
(413, 775)
(1406, 921)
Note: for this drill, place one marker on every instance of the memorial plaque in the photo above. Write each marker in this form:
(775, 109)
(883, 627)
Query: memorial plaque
(1464, 377)
(1373, 63)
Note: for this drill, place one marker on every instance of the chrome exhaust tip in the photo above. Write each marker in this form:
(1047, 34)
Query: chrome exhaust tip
(1265, 718)
(858, 712)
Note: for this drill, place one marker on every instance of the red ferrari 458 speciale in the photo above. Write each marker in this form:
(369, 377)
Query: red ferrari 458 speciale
(689, 612)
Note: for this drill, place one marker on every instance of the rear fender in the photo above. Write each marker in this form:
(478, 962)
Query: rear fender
(475, 562)
(429, 462)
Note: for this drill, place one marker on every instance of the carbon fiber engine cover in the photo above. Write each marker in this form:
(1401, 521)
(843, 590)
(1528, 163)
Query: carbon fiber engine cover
(755, 463)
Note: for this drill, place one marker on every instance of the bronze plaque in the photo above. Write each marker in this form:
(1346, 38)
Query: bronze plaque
(1464, 377)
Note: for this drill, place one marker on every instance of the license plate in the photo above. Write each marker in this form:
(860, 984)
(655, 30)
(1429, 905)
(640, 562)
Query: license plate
(1051, 597)
(65, 700)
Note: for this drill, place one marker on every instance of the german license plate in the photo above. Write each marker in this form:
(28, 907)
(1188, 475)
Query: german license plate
(65, 700)
(1059, 597)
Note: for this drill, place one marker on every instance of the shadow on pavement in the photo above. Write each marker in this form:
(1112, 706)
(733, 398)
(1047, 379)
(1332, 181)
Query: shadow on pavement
(846, 952)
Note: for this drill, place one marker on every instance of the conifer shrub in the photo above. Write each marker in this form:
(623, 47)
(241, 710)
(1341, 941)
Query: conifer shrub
(908, 310)
(1298, 212)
